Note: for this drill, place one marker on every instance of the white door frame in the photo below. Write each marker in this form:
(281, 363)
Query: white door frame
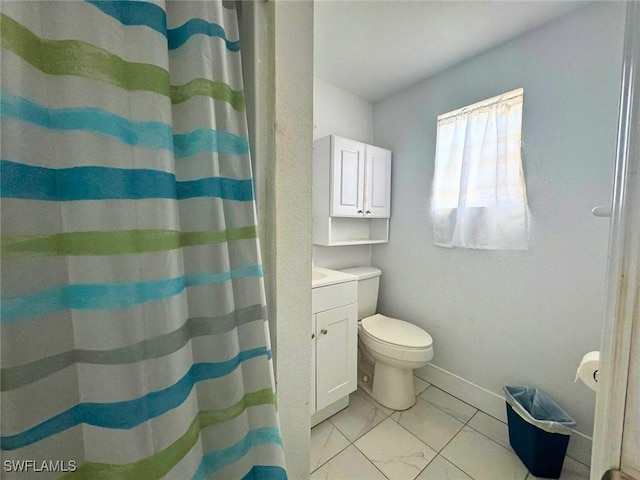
(621, 316)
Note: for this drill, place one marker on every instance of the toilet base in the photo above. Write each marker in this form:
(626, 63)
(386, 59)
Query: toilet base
(389, 386)
(393, 387)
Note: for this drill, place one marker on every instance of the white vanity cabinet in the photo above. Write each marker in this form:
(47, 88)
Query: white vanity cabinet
(334, 342)
(351, 192)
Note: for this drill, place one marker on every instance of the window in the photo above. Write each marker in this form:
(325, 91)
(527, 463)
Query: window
(479, 196)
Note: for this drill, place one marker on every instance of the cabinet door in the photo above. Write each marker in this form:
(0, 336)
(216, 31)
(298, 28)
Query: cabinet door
(347, 177)
(336, 354)
(312, 402)
(378, 183)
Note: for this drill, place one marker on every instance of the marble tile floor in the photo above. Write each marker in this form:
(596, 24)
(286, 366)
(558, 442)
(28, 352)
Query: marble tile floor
(439, 438)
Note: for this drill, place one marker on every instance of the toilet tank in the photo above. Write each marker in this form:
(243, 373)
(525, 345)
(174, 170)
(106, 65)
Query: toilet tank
(368, 283)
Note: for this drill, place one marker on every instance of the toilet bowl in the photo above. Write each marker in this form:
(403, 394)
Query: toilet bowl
(388, 349)
(396, 348)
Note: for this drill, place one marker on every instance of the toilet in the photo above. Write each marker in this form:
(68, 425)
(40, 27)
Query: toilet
(388, 349)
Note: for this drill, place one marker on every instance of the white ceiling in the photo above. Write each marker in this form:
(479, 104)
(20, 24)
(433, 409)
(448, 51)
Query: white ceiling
(376, 48)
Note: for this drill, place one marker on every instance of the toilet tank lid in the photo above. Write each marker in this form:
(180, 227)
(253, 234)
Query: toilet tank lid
(363, 272)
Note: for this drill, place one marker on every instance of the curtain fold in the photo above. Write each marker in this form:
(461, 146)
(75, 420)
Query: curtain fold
(479, 198)
(134, 335)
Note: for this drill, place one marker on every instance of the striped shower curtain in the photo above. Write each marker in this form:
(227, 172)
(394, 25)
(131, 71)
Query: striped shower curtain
(134, 337)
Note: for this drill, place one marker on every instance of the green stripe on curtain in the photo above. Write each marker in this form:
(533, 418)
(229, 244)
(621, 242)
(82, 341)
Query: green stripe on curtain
(117, 242)
(207, 88)
(161, 463)
(60, 57)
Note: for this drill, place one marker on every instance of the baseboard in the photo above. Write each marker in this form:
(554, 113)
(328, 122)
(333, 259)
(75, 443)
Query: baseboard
(473, 394)
(580, 447)
(493, 404)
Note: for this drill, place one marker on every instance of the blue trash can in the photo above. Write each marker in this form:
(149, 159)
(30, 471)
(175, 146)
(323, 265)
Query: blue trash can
(539, 430)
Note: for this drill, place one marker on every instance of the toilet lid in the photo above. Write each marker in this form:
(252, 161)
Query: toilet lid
(396, 332)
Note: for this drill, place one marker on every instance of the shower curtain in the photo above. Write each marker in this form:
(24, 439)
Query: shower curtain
(134, 336)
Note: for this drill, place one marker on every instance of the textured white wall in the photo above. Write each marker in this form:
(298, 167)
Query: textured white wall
(338, 112)
(277, 53)
(288, 220)
(500, 317)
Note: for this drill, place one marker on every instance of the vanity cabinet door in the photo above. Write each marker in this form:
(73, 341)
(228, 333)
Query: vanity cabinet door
(336, 354)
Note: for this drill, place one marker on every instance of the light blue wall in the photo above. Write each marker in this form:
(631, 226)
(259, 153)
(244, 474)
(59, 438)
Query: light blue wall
(338, 112)
(500, 317)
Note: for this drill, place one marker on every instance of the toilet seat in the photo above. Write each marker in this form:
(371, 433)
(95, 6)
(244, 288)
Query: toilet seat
(395, 333)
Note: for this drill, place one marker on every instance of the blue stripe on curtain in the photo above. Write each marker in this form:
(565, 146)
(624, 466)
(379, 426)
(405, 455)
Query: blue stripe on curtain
(91, 119)
(128, 414)
(135, 133)
(207, 140)
(135, 13)
(111, 296)
(104, 183)
(214, 461)
(152, 16)
(179, 36)
(265, 472)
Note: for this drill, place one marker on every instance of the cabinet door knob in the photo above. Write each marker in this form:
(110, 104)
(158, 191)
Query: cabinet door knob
(313, 335)
(368, 212)
(324, 331)
(359, 211)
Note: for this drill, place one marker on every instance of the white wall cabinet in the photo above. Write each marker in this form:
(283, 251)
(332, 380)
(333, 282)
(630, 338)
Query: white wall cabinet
(334, 346)
(351, 192)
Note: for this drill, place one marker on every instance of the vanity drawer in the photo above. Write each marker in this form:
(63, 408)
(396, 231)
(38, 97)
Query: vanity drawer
(334, 296)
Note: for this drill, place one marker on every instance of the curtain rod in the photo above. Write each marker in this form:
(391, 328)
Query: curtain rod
(519, 92)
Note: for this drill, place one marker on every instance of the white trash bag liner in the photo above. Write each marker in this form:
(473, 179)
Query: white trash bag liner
(539, 410)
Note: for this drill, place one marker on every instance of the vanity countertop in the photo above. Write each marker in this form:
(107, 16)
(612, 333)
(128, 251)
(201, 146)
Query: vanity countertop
(321, 277)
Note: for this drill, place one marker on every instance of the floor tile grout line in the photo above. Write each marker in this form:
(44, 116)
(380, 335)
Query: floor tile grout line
(369, 460)
(424, 443)
(438, 452)
(451, 395)
(417, 475)
(359, 436)
(510, 450)
(443, 410)
(363, 434)
(477, 410)
(420, 440)
(372, 402)
(415, 436)
(328, 460)
(507, 449)
(336, 454)
(445, 445)
(455, 465)
(490, 439)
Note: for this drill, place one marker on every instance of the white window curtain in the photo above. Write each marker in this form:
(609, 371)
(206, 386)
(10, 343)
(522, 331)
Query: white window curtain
(479, 196)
